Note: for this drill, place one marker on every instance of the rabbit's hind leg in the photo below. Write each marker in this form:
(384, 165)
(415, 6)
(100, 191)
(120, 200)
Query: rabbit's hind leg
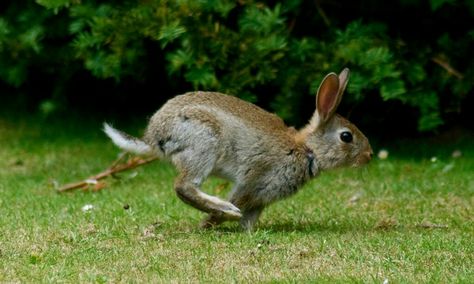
(190, 193)
(194, 166)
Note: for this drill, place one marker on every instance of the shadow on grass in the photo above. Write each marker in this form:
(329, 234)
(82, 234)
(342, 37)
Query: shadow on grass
(324, 227)
(302, 227)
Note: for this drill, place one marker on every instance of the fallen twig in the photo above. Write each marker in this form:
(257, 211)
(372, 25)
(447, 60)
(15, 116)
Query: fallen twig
(447, 67)
(116, 167)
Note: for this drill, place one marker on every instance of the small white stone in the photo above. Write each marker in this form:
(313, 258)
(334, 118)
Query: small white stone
(383, 154)
(87, 208)
(434, 159)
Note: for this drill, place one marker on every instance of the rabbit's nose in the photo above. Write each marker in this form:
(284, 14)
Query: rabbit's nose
(369, 155)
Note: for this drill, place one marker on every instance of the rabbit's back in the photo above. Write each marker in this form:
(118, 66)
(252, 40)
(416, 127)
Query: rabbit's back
(224, 114)
(248, 113)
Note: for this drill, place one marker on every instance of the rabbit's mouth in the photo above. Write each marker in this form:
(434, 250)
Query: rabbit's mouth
(363, 159)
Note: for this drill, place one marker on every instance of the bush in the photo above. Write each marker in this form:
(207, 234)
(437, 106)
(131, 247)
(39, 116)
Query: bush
(266, 51)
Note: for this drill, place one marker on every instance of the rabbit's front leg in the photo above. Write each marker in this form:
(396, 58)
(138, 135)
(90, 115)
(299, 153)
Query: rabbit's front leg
(250, 217)
(249, 205)
(211, 220)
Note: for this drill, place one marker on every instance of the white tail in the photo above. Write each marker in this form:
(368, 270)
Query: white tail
(127, 142)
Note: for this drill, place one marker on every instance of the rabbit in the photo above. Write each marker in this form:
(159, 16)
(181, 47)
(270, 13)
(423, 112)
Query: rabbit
(209, 133)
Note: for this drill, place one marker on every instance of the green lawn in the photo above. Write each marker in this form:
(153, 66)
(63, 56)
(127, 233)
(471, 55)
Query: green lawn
(404, 219)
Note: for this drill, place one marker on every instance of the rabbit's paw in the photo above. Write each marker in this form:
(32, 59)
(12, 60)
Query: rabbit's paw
(230, 211)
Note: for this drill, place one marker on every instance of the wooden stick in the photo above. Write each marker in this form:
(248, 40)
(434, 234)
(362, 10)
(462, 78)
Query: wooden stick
(116, 167)
(446, 66)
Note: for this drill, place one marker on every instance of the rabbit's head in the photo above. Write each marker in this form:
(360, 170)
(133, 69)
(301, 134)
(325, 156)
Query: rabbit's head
(334, 140)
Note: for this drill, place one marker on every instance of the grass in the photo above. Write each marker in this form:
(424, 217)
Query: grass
(404, 219)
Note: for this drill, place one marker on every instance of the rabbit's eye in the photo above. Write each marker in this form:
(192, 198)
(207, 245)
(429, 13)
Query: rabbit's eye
(346, 136)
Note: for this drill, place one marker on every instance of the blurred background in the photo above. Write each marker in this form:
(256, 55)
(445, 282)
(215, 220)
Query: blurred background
(412, 61)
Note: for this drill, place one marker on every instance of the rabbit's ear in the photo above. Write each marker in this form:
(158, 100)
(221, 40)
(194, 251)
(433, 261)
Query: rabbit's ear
(343, 80)
(328, 97)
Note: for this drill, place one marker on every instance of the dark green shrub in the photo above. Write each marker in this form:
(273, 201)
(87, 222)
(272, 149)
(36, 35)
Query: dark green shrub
(268, 51)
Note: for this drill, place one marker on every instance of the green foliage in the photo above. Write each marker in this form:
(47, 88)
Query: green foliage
(19, 42)
(55, 4)
(436, 4)
(255, 50)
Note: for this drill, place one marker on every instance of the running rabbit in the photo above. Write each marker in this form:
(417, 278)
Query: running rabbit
(205, 133)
